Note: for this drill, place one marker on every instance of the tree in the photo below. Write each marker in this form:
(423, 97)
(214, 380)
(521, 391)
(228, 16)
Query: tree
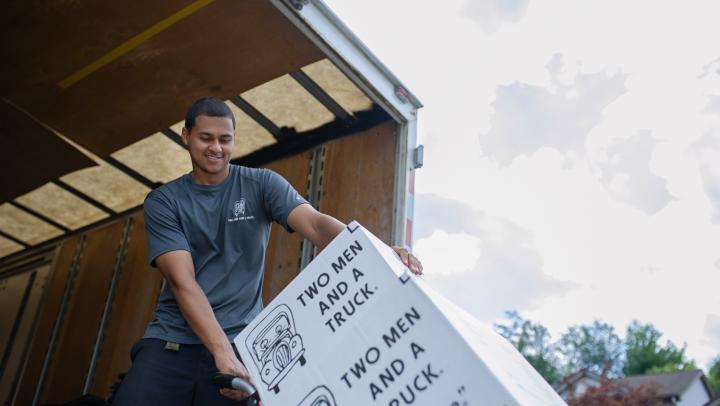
(595, 347)
(532, 340)
(644, 354)
(714, 375)
(615, 393)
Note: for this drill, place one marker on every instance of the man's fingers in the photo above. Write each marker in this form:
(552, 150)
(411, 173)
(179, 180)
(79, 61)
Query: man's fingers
(404, 257)
(240, 371)
(415, 265)
(409, 260)
(233, 394)
(403, 254)
(243, 373)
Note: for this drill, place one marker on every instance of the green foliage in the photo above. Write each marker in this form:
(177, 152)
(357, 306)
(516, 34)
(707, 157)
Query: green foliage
(598, 348)
(593, 346)
(713, 375)
(644, 354)
(533, 342)
(662, 369)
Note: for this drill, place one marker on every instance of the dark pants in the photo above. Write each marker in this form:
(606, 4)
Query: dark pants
(159, 376)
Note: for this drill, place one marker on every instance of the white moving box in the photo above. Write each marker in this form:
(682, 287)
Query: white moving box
(355, 328)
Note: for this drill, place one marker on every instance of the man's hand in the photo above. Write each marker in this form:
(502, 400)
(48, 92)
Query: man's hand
(229, 364)
(409, 260)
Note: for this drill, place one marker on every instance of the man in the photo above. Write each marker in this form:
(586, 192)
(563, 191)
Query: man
(207, 234)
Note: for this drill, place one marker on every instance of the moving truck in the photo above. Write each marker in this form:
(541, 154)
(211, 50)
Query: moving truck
(93, 99)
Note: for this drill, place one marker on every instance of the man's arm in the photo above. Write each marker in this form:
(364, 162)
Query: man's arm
(317, 227)
(179, 272)
(320, 229)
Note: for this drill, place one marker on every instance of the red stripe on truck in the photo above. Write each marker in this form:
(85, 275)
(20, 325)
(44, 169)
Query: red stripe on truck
(408, 232)
(411, 183)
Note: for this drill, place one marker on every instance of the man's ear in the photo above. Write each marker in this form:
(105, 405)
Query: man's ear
(184, 135)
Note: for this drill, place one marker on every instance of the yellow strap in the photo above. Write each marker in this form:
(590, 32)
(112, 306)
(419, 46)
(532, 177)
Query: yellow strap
(133, 43)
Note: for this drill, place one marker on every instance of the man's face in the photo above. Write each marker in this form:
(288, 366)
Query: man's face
(210, 143)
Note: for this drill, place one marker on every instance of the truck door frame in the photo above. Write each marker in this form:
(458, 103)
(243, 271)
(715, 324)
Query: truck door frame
(319, 24)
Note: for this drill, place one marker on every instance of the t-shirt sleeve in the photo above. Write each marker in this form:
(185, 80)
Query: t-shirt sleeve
(280, 198)
(164, 232)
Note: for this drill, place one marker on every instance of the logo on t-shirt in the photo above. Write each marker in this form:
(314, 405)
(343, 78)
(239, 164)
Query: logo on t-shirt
(239, 207)
(238, 211)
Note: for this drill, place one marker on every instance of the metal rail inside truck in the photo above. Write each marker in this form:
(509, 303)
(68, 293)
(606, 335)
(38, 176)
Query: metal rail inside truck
(93, 98)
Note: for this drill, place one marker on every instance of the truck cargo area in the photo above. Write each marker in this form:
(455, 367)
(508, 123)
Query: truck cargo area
(93, 102)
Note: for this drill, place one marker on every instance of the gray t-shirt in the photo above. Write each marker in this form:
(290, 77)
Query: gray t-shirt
(226, 228)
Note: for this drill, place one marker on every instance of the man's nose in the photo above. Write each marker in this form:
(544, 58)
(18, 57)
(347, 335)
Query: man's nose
(215, 146)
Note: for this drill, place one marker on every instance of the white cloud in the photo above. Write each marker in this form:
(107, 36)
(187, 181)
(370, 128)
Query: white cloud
(486, 265)
(459, 252)
(505, 281)
(712, 329)
(448, 215)
(711, 179)
(707, 152)
(626, 174)
(713, 105)
(491, 14)
(528, 117)
(710, 69)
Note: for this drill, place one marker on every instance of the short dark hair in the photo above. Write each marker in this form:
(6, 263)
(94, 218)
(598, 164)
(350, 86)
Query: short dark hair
(207, 106)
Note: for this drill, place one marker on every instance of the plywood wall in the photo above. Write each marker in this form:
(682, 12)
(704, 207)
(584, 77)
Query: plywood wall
(81, 278)
(17, 327)
(71, 355)
(12, 290)
(132, 309)
(358, 181)
(283, 254)
(47, 316)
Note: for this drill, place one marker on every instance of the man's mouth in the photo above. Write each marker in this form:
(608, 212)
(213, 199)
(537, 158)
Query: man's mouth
(214, 158)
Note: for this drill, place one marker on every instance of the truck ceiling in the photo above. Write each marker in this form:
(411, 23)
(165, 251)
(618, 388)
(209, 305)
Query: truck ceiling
(93, 95)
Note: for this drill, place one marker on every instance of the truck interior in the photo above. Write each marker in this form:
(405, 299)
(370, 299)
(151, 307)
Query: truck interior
(93, 101)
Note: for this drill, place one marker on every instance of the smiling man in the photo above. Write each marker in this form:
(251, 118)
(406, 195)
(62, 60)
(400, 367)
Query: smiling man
(207, 234)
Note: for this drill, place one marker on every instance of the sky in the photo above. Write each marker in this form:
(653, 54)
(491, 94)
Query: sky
(572, 156)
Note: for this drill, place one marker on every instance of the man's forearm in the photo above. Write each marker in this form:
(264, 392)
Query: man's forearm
(199, 315)
(327, 228)
(317, 227)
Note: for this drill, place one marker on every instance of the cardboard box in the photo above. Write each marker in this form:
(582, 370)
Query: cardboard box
(355, 328)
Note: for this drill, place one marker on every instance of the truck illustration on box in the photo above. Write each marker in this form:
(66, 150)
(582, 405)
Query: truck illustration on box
(320, 396)
(275, 346)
